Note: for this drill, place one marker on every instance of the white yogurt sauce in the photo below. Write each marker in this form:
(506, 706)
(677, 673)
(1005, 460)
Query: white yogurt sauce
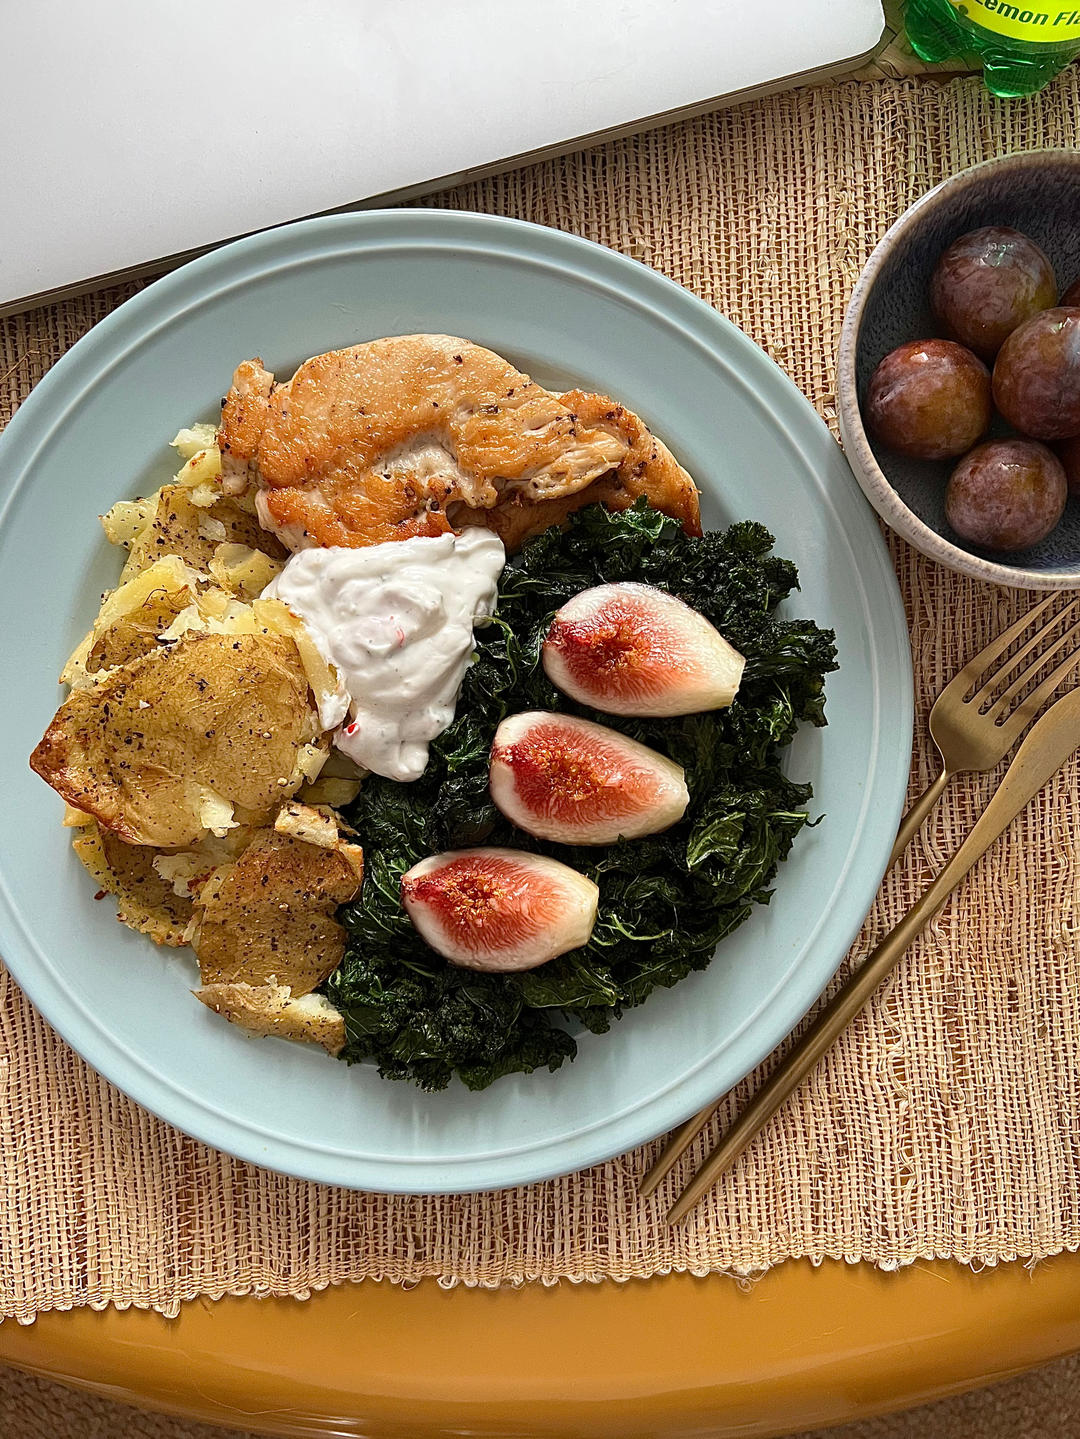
(397, 620)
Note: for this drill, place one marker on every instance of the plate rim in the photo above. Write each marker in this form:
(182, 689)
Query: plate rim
(304, 242)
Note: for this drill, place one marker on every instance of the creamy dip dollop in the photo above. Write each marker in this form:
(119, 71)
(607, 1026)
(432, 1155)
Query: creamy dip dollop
(396, 620)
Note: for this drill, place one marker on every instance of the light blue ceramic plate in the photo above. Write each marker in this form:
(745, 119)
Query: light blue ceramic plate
(97, 428)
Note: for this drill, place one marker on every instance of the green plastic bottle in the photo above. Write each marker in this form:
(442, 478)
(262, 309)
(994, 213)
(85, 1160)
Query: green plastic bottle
(1021, 48)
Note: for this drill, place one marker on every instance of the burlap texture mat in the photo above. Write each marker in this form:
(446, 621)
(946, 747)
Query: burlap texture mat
(946, 1121)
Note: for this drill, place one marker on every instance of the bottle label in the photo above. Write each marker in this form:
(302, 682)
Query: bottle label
(1043, 27)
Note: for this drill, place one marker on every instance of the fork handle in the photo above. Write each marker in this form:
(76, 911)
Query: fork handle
(1041, 755)
(681, 1140)
(833, 1019)
(916, 814)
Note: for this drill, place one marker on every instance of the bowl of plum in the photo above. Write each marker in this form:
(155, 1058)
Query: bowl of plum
(958, 372)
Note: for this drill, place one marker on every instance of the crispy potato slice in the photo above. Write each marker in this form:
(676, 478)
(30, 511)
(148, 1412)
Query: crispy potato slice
(270, 616)
(125, 521)
(160, 750)
(194, 532)
(132, 617)
(200, 475)
(337, 793)
(314, 824)
(195, 440)
(270, 1010)
(144, 901)
(135, 633)
(268, 918)
(147, 604)
(242, 570)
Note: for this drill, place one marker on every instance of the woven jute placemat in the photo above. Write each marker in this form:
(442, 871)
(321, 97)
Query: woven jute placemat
(945, 1123)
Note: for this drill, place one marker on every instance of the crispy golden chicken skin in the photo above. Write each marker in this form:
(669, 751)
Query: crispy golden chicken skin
(162, 749)
(420, 434)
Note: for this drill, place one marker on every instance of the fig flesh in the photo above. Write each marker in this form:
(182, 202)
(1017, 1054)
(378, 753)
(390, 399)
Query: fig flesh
(575, 782)
(499, 910)
(631, 649)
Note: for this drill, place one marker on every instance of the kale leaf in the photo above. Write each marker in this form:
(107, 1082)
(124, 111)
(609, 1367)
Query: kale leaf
(665, 900)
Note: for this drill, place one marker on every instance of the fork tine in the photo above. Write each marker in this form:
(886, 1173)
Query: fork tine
(1028, 708)
(1007, 666)
(977, 666)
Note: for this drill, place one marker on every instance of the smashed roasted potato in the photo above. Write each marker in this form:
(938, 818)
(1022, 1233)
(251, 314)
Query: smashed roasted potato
(188, 543)
(268, 917)
(200, 476)
(216, 613)
(214, 730)
(197, 709)
(193, 519)
(132, 617)
(337, 783)
(195, 533)
(144, 901)
(271, 1011)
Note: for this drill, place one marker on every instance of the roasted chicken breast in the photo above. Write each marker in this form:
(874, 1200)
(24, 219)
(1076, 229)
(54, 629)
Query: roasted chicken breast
(421, 434)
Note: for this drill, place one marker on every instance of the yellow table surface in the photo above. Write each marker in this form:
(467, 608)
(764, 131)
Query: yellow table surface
(674, 1356)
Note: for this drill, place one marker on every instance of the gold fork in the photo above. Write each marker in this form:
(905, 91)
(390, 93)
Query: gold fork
(1049, 744)
(973, 730)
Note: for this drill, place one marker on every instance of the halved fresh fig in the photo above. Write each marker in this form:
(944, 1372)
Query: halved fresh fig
(499, 909)
(576, 782)
(630, 649)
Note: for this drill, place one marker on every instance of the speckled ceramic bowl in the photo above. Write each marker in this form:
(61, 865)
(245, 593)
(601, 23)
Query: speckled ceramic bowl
(1038, 193)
